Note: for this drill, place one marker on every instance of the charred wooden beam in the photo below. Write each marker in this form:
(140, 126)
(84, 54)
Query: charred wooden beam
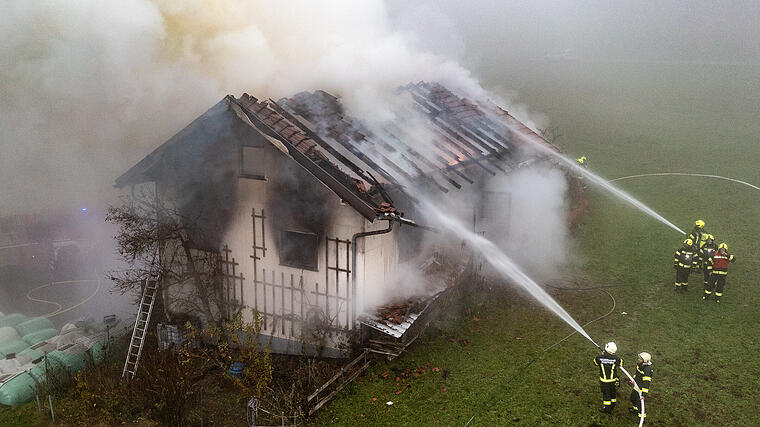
(364, 208)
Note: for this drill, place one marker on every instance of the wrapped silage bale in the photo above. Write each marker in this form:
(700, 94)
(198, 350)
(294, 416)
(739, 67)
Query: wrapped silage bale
(18, 390)
(34, 325)
(98, 351)
(39, 336)
(68, 327)
(12, 347)
(73, 359)
(12, 319)
(30, 354)
(8, 333)
(10, 366)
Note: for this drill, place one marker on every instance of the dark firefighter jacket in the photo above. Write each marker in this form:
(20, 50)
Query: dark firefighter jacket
(608, 364)
(706, 254)
(685, 258)
(718, 264)
(699, 237)
(643, 377)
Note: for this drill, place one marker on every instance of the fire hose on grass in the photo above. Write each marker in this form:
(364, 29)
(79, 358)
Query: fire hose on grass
(530, 362)
(642, 414)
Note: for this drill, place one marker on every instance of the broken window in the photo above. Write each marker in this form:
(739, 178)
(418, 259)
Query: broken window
(299, 249)
(253, 161)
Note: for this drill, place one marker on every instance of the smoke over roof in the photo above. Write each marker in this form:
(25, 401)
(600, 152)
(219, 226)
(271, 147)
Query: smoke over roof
(89, 87)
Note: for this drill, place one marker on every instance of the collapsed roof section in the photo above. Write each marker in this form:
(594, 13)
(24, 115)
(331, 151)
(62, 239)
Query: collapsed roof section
(436, 137)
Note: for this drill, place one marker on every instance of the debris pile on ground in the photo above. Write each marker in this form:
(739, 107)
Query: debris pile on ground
(397, 312)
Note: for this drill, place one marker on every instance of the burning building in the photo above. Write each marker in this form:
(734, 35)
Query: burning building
(310, 209)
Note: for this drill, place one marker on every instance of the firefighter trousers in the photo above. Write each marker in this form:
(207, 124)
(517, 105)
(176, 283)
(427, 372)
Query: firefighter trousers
(609, 395)
(719, 281)
(682, 278)
(636, 402)
(709, 285)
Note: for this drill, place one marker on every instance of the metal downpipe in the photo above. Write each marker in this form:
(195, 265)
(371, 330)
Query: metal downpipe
(354, 238)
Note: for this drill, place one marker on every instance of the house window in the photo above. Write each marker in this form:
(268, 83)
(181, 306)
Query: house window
(252, 162)
(298, 249)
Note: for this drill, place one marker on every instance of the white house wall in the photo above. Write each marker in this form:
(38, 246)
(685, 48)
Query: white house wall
(284, 295)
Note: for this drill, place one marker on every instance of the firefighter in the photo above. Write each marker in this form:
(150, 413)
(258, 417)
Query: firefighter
(718, 267)
(583, 163)
(705, 255)
(685, 259)
(608, 363)
(642, 378)
(698, 235)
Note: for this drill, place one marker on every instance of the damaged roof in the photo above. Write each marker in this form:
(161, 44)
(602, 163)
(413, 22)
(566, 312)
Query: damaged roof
(436, 136)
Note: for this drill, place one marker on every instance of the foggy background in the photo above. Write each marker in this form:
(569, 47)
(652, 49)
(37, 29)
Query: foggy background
(606, 73)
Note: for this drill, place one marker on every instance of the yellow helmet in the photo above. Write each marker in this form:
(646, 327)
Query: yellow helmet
(723, 246)
(688, 242)
(699, 223)
(581, 159)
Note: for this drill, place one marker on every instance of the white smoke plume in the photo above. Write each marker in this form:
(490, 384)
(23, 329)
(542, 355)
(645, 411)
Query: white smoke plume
(535, 232)
(90, 87)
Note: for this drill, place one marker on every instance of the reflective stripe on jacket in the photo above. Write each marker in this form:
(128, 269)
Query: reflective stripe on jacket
(685, 258)
(608, 364)
(719, 263)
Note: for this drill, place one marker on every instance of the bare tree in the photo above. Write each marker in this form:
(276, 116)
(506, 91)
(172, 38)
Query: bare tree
(157, 242)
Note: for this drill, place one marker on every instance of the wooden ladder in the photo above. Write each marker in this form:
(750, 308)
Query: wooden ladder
(141, 326)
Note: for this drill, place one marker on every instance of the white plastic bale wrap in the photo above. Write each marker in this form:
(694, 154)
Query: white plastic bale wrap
(7, 334)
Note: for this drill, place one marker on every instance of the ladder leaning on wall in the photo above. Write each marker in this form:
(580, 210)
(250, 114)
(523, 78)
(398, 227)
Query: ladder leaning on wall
(141, 326)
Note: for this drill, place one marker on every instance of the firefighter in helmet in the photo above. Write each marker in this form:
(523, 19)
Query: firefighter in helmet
(685, 259)
(642, 378)
(698, 235)
(705, 255)
(718, 266)
(582, 162)
(608, 362)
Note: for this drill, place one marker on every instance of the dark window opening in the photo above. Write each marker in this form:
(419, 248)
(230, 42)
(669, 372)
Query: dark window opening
(253, 161)
(300, 250)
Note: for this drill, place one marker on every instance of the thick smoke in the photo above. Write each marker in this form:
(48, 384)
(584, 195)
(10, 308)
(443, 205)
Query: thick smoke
(535, 232)
(100, 83)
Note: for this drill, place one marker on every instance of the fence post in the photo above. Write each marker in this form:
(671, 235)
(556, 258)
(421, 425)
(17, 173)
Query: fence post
(282, 417)
(37, 398)
(52, 411)
(200, 403)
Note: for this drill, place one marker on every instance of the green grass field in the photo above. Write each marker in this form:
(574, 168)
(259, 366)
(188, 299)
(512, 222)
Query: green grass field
(705, 355)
